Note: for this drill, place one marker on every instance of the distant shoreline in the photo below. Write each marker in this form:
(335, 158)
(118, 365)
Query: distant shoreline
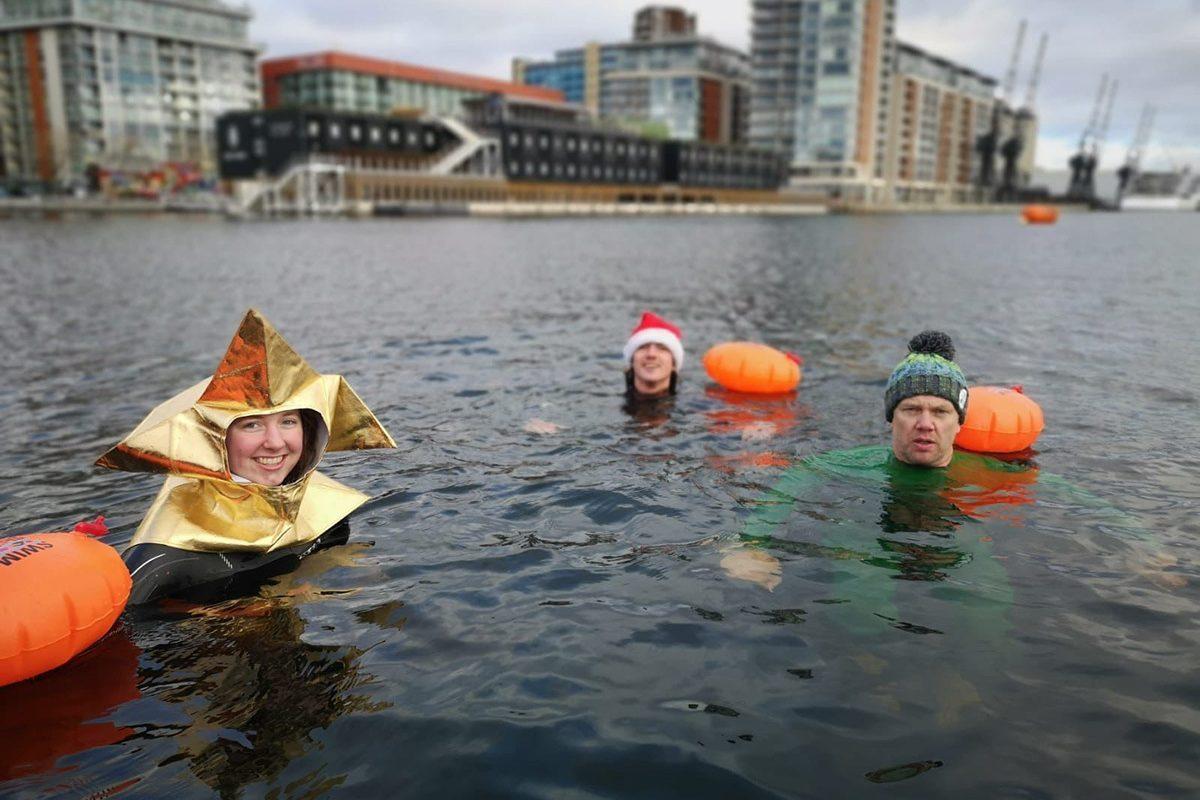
(510, 210)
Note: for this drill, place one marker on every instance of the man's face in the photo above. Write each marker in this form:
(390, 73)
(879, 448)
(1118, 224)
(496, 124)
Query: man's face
(652, 364)
(923, 431)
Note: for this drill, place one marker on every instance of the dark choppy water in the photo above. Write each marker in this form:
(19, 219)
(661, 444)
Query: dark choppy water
(533, 615)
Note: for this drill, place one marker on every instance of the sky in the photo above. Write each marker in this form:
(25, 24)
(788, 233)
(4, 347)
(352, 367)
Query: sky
(1151, 47)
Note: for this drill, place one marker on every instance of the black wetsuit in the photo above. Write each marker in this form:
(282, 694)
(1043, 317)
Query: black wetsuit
(160, 571)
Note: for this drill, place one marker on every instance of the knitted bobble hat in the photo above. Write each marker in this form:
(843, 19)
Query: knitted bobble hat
(928, 369)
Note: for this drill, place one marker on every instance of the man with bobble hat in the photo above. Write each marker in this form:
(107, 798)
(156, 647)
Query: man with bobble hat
(653, 357)
(926, 401)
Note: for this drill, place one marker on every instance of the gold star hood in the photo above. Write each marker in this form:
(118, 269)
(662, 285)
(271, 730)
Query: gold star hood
(201, 507)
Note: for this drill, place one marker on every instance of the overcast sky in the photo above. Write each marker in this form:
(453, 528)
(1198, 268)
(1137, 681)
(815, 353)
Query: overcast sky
(1152, 47)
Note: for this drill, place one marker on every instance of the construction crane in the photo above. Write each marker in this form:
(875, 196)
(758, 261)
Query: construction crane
(1023, 129)
(1035, 77)
(1076, 189)
(986, 145)
(1087, 179)
(1133, 158)
(1010, 77)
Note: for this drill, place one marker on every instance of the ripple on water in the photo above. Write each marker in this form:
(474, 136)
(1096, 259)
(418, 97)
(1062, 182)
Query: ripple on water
(548, 613)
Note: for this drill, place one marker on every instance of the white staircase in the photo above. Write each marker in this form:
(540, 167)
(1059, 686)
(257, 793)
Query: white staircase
(475, 155)
(312, 187)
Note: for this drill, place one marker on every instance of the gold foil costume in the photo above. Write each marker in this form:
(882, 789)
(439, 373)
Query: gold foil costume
(201, 507)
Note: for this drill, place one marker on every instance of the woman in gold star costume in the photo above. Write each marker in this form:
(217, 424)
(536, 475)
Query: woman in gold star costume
(243, 500)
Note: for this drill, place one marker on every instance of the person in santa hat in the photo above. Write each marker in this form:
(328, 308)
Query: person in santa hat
(653, 357)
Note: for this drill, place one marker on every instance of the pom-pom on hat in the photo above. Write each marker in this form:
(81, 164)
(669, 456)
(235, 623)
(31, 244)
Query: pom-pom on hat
(928, 368)
(654, 329)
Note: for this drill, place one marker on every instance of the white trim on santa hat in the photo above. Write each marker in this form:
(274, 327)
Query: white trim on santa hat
(656, 336)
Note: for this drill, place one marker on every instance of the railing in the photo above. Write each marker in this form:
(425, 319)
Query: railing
(311, 187)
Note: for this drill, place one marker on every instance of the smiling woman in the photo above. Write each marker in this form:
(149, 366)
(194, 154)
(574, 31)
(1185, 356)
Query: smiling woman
(265, 448)
(254, 504)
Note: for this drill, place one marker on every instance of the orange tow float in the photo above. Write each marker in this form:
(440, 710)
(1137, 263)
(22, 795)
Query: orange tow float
(754, 368)
(59, 593)
(1038, 214)
(1000, 420)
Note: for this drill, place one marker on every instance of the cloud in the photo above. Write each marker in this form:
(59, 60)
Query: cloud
(1149, 47)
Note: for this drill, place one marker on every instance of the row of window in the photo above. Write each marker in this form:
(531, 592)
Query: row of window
(575, 142)
(545, 170)
(516, 169)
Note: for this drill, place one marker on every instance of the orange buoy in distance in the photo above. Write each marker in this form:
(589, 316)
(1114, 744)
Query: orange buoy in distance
(59, 593)
(751, 367)
(1000, 420)
(1038, 214)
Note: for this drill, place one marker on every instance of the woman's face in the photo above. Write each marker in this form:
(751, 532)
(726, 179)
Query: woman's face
(265, 449)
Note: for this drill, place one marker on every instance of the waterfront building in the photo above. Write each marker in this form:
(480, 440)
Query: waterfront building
(337, 81)
(575, 72)
(293, 160)
(940, 111)
(119, 84)
(821, 77)
(668, 79)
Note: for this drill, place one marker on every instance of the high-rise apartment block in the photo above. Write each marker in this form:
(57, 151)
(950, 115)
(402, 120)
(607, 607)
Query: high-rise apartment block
(822, 74)
(662, 22)
(120, 84)
(940, 111)
(866, 119)
(689, 86)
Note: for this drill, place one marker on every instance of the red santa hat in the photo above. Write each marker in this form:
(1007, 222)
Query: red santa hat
(654, 329)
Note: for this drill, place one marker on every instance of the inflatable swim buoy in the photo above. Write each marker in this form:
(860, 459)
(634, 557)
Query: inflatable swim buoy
(59, 593)
(1039, 214)
(1000, 420)
(750, 367)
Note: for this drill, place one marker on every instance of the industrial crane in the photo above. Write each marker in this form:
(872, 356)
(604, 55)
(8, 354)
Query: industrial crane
(1023, 127)
(986, 144)
(1133, 158)
(1088, 178)
(1078, 189)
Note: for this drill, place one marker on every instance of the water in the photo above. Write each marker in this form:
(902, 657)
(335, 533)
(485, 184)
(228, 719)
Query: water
(546, 614)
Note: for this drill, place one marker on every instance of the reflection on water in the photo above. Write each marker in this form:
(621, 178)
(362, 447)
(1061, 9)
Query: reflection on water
(69, 708)
(253, 693)
(547, 597)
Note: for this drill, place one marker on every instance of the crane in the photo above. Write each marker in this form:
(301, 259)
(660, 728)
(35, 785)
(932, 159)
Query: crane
(1076, 190)
(1133, 158)
(1035, 77)
(1087, 179)
(986, 145)
(1010, 77)
(1102, 132)
(1023, 126)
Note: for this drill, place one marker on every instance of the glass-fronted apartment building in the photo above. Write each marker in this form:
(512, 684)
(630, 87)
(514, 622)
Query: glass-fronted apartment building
(568, 73)
(698, 89)
(821, 82)
(344, 82)
(687, 86)
(119, 84)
